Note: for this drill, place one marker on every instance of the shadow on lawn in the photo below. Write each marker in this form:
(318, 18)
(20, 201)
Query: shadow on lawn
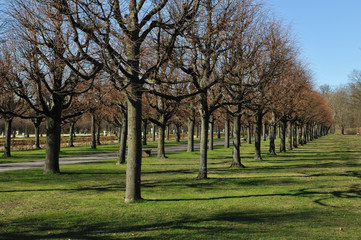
(353, 192)
(232, 223)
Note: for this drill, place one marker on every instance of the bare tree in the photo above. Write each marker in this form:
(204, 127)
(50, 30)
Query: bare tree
(41, 75)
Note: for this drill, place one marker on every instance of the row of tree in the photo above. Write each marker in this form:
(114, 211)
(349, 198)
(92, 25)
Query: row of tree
(149, 61)
(345, 104)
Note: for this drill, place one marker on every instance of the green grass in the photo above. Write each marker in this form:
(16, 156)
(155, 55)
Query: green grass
(312, 192)
(30, 155)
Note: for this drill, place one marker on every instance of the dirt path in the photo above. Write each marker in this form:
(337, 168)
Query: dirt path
(4, 167)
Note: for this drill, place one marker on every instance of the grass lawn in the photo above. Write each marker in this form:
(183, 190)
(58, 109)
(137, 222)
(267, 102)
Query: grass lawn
(313, 192)
(29, 155)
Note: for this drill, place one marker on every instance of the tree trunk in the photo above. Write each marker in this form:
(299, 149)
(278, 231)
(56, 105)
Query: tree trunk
(295, 145)
(305, 134)
(190, 145)
(37, 136)
(53, 130)
(161, 149)
(272, 134)
(8, 128)
(145, 124)
(93, 132)
(153, 133)
(202, 174)
(257, 141)
(178, 132)
(98, 133)
(218, 132)
(283, 126)
(123, 141)
(71, 135)
(119, 133)
(211, 126)
(300, 129)
(249, 134)
(236, 158)
(226, 133)
(265, 132)
(290, 135)
(168, 132)
(134, 159)
(197, 131)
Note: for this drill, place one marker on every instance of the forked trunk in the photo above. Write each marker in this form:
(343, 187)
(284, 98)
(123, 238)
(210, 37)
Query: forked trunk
(53, 131)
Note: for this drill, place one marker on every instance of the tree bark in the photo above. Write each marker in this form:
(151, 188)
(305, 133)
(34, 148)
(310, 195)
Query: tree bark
(178, 132)
(190, 144)
(145, 124)
(202, 174)
(123, 141)
(98, 133)
(134, 160)
(304, 133)
(197, 131)
(226, 133)
(53, 130)
(167, 132)
(249, 134)
(153, 133)
(93, 132)
(71, 135)
(211, 129)
(272, 134)
(295, 145)
(300, 140)
(265, 132)
(290, 135)
(282, 131)
(236, 154)
(257, 141)
(8, 128)
(161, 149)
(37, 137)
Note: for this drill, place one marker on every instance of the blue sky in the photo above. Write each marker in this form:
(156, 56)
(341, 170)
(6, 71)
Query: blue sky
(328, 33)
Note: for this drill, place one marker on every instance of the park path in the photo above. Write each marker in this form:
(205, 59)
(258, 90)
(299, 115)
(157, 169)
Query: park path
(4, 167)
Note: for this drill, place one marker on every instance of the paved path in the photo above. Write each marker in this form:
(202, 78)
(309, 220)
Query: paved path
(4, 167)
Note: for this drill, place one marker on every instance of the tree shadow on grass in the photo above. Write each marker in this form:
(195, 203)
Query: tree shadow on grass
(100, 188)
(353, 192)
(214, 226)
